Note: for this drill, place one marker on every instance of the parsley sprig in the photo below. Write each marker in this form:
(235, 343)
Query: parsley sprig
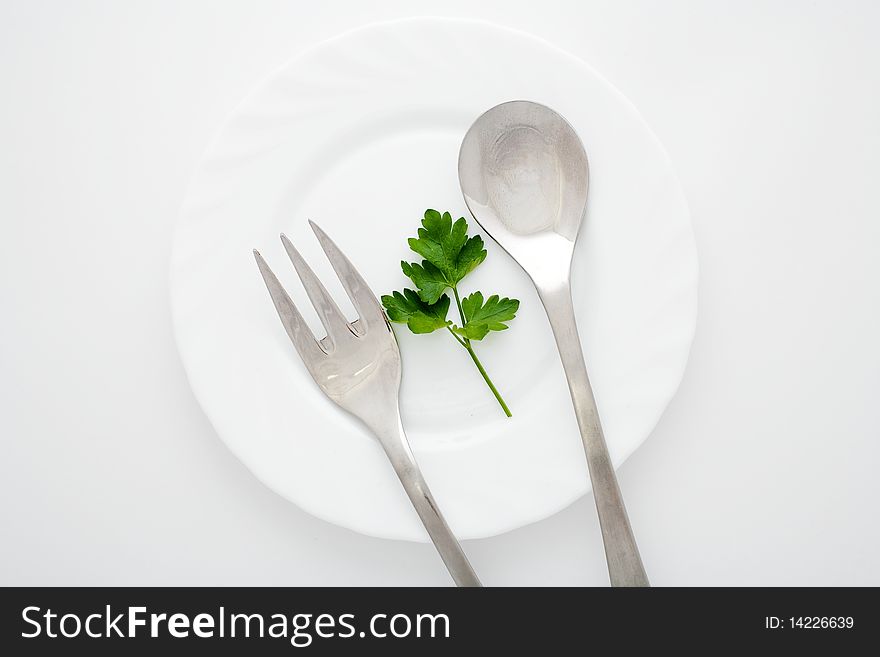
(449, 255)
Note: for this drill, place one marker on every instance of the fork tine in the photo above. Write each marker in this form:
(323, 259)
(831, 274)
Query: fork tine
(359, 292)
(331, 317)
(297, 329)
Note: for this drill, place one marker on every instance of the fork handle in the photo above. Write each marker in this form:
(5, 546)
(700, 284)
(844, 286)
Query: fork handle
(621, 552)
(397, 448)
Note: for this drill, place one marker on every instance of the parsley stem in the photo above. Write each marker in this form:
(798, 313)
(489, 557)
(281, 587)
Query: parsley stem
(455, 335)
(466, 343)
(460, 311)
(488, 380)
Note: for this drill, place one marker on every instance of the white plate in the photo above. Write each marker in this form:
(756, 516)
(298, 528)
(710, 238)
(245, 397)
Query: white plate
(361, 134)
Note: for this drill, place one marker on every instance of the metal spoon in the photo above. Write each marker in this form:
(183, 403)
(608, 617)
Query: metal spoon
(524, 175)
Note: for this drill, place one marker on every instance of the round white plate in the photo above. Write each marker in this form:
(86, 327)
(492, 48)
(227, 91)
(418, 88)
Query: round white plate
(361, 134)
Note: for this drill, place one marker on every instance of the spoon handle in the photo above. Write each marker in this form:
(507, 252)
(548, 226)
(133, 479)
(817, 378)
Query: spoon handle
(624, 562)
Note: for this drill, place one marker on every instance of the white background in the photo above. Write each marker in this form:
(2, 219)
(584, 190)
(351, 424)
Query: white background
(763, 469)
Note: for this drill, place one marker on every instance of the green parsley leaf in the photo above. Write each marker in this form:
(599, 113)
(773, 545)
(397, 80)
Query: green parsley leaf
(472, 331)
(448, 252)
(428, 279)
(408, 308)
(493, 313)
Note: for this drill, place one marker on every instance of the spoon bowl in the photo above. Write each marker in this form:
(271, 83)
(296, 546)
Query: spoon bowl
(525, 175)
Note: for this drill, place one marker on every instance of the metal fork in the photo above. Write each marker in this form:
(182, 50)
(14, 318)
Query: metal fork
(357, 365)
